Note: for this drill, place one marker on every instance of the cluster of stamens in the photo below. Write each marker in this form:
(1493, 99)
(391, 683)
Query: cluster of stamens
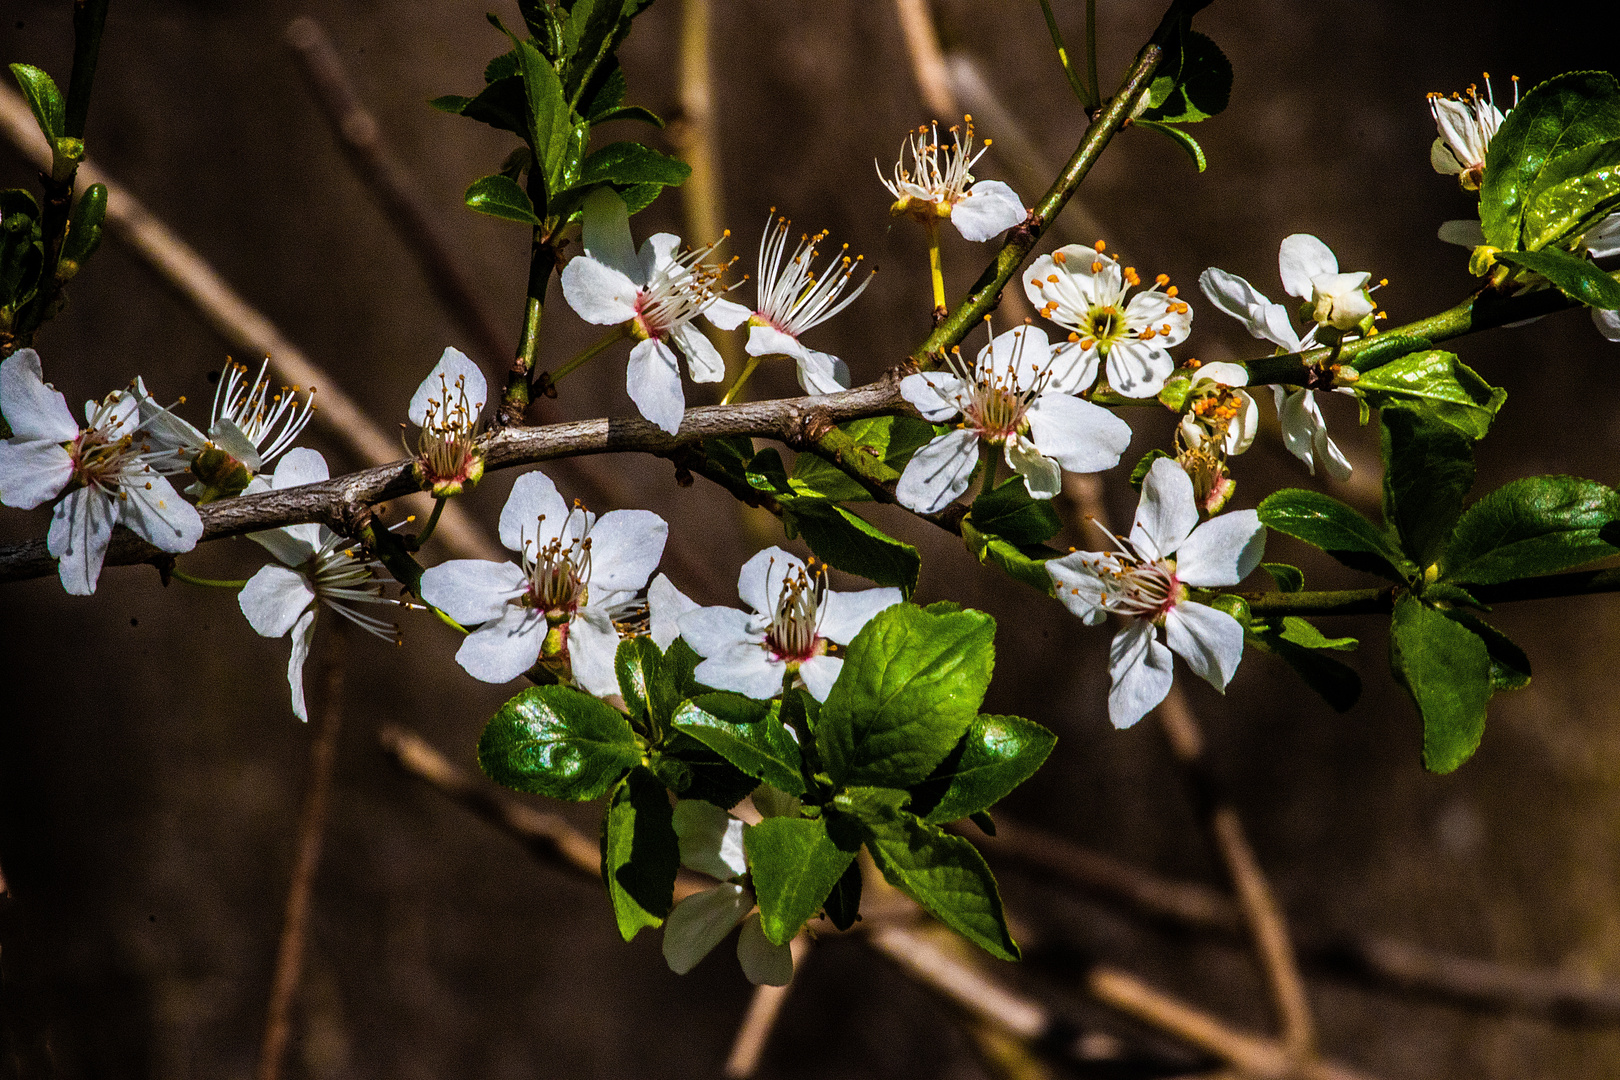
(1141, 588)
(679, 291)
(794, 631)
(998, 400)
(445, 452)
(943, 171)
(342, 574)
(105, 454)
(559, 572)
(791, 297)
(270, 418)
(1483, 121)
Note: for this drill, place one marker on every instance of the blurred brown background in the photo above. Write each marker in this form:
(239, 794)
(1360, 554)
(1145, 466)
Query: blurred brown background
(150, 769)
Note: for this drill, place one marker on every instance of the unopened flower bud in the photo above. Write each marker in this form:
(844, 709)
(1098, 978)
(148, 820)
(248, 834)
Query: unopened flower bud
(1341, 301)
(219, 475)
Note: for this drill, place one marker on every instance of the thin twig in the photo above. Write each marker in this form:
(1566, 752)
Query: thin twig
(295, 922)
(386, 177)
(760, 1020)
(928, 60)
(1267, 925)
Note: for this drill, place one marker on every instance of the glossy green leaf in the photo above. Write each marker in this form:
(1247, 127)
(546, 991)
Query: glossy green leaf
(1538, 525)
(552, 124)
(1440, 385)
(1447, 671)
(1337, 683)
(1576, 277)
(1381, 349)
(1187, 143)
(1562, 114)
(632, 163)
(1510, 668)
(1574, 192)
(85, 225)
(607, 95)
(995, 755)
(944, 873)
(846, 541)
(814, 474)
(1329, 524)
(883, 443)
(640, 853)
(747, 733)
(1011, 513)
(910, 686)
(673, 681)
(44, 99)
(500, 196)
(559, 742)
(1287, 578)
(795, 864)
(502, 105)
(449, 103)
(1026, 563)
(702, 773)
(843, 904)
(1444, 592)
(598, 27)
(1428, 469)
(1199, 88)
(636, 666)
(1306, 635)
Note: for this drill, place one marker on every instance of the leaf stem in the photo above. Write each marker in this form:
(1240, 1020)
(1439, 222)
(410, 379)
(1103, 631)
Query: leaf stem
(1380, 601)
(1080, 89)
(432, 523)
(212, 583)
(742, 377)
(515, 399)
(1091, 53)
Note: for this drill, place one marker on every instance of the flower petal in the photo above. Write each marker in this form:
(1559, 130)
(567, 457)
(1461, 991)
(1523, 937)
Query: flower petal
(843, 614)
(1237, 298)
(1078, 585)
(759, 583)
(658, 255)
(939, 472)
(1042, 477)
(746, 669)
(819, 673)
(274, 599)
(303, 636)
(990, 207)
(1137, 369)
(605, 235)
(472, 591)
(1607, 323)
(763, 964)
(81, 528)
(654, 383)
(1140, 667)
(938, 395)
(155, 512)
(293, 545)
(1465, 232)
(1209, 640)
(713, 630)
(711, 840)
(34, 409)
(32, 472)
(1019, 355)
(502, 650)
(665, 606)
(702, 921)
(592, 644)
(1223, 550)
(1167, 512)
(766, 340)
(1072, 368)
(822, 373)
(598, 293)
(626, 546)
(1081, 436)
(534, 513)
(1301, 258)
(703, 361)
(726, 314)
(451, 378)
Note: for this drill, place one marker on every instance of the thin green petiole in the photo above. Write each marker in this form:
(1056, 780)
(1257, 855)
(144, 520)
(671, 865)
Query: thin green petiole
(212, 583)
(1075, 84)
(935, 269)
(748, 369)
(432, 523)
(618, 333)
(1091, 53)
(447, 620)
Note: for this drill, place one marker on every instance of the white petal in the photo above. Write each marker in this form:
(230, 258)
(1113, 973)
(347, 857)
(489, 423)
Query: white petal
(1237, 298)
(1137, 369)
(843, 614)
(1078, 586)
(763, 964)
(726, 314)
(938, 395)
(711, 840)
(598, 293)
(1243, 428)
(1210, 641)
(1222, 374)
(654, 384)
(1333, 459)
(1042, 477)
(1140, 667)
(765, 340)
(1301, 258)
(303, 635)
(625, 548)
(274, 599)
(472, 591)
(1072, 368)
(665, 606)
(1607, 323)
(1301, 420)
(819, 673)
(299, 467)
(293, 545)
(1465, 232)
(81, 527)
(1603, 239)
(759, 582)
(822, 373)
(502, 650)
(1223, 550)
(702, 921)
(939, 472)
(453, 376)
(605, 234)
(32, 472)
(592, 645)
(34, 410)
(714, 630)
(1081, 436)
(229, 437)
(1021, 353)
(744, 669)
(658, 254)
(155, 512)
(990, 207)
(703, 361)
(1167, 512)
(534, 497)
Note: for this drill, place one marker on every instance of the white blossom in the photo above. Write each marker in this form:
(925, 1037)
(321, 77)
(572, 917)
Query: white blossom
(939, 184)
(656, 293)
(1467, 122)
(1310, 271)
(1147, 581)
(1218, 411)
(318, 567)
(1019, 396)
(447, 407)
(793, 621)
(576, 572)
(1084, 291)
(110, 470)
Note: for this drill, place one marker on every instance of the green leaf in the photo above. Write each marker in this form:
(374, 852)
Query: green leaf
(1576, 277)
(85, 226)
(502, 105)
(1180, 138)
(673, 681)
(996, 755)
(1510, 668)
(1562, 114)
(1447, 671)
(1140, 471)
(747, 733)
(883, 444)
(795, 863)
(1538, 525)
(1305, 635)
(1329, 524)
(1381, 349)
(500, 196)
(21, 253)
(631, 112)
(640, 853)
(1443, 592)
(846, 541)
(558, 742)
(1201, 87)
(632, 163)
(1026, 563)
(1338, 684)
(944, 873)
(598, 27)
(814, 474)
(843, 905)
(1288, 578)
(551, 122)
(910, 686)
(1011, 513)
(636, 665)
(1439, 384)
(1428, 469)
(1574, 192)
(703, 773)
(454, 104)
(607, 95)
(46, 101)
